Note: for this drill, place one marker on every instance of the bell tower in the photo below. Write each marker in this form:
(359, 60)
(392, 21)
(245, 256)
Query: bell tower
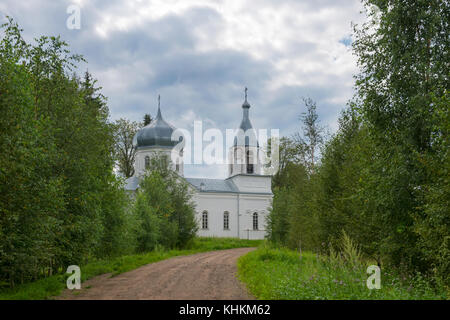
(243, 156)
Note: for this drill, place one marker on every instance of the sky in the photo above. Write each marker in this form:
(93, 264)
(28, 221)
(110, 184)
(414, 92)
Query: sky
(199, 55)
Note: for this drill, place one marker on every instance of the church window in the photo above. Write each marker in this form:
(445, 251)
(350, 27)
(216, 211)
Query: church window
(147, 162)
(238, 156)
(205, 220)
(249, 165)
(255, 221)
(226, 220)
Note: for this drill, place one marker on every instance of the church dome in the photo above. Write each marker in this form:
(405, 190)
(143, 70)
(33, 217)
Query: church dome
(157, 133)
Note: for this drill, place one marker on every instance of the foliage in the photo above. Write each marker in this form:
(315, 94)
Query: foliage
(382, 177)
(60, 202)
(147, 119)
(312, 138)
(403, 66)
(124, 147)
(164, 208)
(279, 273)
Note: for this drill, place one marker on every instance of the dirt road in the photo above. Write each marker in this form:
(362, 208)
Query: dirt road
(203, 276)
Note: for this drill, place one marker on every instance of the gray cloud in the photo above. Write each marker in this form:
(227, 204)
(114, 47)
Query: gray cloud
(199, 56)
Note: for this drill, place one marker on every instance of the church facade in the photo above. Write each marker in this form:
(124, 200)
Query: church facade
(233, 207)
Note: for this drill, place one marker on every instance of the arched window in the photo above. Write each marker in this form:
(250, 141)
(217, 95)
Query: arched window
(238, 156)
(205, 220)
(255, 221)
(248, 160)
(147, 162)
(177, 166)
(226, 220)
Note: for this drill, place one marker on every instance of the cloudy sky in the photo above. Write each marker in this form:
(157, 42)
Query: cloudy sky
(200, 54)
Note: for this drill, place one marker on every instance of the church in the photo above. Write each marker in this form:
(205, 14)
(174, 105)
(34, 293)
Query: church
(233, 207)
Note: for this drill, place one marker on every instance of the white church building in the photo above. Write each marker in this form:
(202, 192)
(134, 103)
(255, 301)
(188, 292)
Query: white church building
(233, 207)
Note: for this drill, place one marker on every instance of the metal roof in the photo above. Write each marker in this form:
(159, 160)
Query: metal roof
(200, 184)
(157, 133)
(213, 185)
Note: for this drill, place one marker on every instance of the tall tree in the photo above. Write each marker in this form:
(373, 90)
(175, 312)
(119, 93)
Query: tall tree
(291, 157)
(125, 148)
(58, 169)
(403, 57)
(312, 137)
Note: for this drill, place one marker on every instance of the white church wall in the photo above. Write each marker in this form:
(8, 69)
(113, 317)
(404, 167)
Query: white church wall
(217, 203)
(250, 204)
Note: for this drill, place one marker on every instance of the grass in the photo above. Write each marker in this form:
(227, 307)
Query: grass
(280, 274)
(52, 286)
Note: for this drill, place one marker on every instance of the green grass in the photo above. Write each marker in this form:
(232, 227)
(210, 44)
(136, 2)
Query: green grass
(52, 286)
(273, 273)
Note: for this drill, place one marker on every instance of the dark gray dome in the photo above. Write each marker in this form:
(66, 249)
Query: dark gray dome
(157, 133)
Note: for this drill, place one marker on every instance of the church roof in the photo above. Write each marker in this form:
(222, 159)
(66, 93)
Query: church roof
(200, 184)
(213, 185)
(157, 133)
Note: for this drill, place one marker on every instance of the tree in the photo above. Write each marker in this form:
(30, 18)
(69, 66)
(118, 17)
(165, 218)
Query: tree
(60, 202)
(292, 220)
(383, 177)
(164, 207)
(403, 62)
(151, 207)
(432, 222)
(291, 157)
(312, 137)
(147, 119)
(278, 219)
(30, 196)
(125, 148)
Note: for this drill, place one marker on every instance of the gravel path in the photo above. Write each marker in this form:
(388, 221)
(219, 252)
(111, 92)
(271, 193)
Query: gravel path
(201, 276)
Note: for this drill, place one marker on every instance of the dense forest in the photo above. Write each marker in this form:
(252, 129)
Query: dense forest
(60, 201)
(383, 177)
